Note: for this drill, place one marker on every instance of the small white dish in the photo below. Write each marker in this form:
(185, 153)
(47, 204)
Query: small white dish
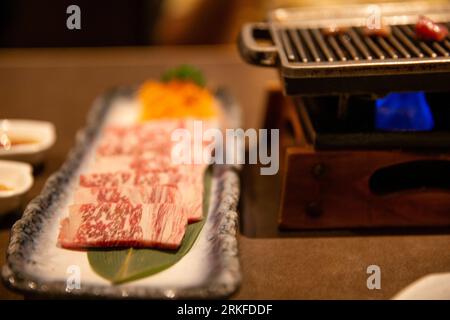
(16, 179)
(25, 140)
(434, 286)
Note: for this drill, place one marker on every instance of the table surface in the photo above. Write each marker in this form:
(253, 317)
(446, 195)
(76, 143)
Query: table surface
(59, 85)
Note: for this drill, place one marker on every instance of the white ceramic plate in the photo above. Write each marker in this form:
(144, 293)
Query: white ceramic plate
(35, 264)
(41, 133)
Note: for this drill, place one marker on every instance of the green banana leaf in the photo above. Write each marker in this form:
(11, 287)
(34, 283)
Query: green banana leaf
(123, 265)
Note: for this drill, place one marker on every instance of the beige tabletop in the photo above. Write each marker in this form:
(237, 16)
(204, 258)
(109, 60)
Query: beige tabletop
(59, 85)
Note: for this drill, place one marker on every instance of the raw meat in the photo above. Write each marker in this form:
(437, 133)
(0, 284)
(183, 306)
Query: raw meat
(192, 201)
(428, 30)
(134, 194)
(334, 30)
(123, 225)
(146, 162)
(134, 179)
(139, 195)
(382, 30)
(188, 197)
(154, 136)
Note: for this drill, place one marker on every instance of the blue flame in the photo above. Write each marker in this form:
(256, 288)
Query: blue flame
(403, 112)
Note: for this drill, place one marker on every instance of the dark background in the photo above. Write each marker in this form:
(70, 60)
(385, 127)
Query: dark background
(30, 23)
(42, 23)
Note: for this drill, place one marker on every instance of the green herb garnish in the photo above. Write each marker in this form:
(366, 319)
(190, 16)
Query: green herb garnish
(184, 72)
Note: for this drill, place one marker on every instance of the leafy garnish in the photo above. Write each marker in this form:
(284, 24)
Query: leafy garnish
(184, 72)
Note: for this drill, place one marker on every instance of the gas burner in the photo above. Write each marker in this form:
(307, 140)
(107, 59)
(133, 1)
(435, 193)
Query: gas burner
(414, 121)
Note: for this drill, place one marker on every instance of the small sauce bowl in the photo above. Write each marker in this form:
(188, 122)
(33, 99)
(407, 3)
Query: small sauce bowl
(16, 179)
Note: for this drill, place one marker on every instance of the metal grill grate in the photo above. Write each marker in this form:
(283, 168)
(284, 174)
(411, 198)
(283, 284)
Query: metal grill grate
(311, 46)
(313, 62)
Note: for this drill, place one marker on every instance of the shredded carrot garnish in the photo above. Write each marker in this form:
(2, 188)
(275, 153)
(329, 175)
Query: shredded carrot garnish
(175, 99)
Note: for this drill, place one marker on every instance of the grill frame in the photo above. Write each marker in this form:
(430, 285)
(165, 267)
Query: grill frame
(414, 68)
(355, 66)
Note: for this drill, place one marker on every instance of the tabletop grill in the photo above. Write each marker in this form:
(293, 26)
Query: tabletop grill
(310, 46)
(351, 62)
(339, 168)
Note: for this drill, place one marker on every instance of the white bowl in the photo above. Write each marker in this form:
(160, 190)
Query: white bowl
(42, 134)
(18, 177)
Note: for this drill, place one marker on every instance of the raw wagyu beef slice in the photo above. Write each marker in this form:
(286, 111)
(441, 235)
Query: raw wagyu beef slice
(192, 200)
(124, 179)
(138, 195)
(122, 225)
(136, 178)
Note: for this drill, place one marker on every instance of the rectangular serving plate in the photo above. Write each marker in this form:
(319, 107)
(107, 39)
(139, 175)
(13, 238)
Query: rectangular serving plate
(36, 266)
